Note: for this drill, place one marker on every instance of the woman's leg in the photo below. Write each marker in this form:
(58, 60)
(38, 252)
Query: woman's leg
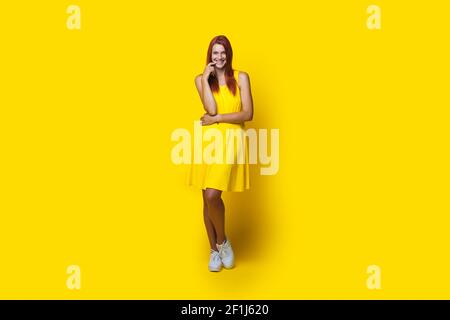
(216, 211)
(208, 224)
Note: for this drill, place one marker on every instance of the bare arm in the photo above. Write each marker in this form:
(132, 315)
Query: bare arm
(246, 114)
(204, 90)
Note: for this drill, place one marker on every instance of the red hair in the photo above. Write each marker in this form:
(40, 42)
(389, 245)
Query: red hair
(229, 72)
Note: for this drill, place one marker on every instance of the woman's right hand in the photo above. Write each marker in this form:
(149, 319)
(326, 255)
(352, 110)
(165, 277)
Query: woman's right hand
(208, 69)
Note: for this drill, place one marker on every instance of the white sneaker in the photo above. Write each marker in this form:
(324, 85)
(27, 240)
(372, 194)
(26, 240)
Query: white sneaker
(226, 254)
(215, 264)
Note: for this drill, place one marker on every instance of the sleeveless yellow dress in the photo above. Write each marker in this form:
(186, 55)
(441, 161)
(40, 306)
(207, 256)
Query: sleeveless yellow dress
(226, 175)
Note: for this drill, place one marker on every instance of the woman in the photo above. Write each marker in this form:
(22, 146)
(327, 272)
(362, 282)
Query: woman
(226, 97)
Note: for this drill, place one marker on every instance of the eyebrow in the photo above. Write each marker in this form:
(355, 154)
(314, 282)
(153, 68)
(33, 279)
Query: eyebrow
(218, 51)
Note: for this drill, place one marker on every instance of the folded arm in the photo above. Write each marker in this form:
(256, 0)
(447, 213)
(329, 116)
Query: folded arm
(246, 113)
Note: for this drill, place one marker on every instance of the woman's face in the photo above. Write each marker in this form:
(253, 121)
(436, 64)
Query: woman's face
(219, 56)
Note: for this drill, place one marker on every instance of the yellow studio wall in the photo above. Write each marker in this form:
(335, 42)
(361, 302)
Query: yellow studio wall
(86, 176)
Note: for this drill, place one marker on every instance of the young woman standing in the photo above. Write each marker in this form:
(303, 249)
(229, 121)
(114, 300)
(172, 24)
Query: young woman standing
(226, 97)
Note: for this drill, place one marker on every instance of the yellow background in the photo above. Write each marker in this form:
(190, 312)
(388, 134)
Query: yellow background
(86, 177)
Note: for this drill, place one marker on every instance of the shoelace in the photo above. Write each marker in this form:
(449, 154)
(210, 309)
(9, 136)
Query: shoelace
(214, 255)
(223, 249)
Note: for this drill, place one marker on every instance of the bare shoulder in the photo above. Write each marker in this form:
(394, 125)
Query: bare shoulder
(242, 74)
(198, 78)
(198, 82)
(243, 78)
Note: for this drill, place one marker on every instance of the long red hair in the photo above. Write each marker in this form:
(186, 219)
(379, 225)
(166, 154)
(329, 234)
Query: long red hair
(229, 72)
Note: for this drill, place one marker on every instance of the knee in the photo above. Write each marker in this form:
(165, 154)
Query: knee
(212, 196)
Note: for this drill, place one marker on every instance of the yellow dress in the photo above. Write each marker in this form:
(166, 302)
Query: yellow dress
(226, 175)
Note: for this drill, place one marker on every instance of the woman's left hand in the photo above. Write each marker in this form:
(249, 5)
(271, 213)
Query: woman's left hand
(208, 119)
